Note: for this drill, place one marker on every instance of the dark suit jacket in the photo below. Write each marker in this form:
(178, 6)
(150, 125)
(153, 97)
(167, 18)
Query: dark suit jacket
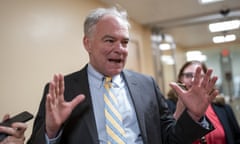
(229, 123)
(227, 119)
(156, 123)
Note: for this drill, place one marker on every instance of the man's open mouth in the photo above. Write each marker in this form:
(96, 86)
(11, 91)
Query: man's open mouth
(115, 60)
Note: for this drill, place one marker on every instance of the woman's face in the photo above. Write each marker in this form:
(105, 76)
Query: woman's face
(188, 74)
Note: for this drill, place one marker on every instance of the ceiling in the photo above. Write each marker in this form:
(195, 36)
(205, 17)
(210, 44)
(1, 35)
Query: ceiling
(186, 20)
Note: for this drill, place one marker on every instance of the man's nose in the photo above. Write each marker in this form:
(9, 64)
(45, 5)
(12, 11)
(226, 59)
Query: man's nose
(119, 46)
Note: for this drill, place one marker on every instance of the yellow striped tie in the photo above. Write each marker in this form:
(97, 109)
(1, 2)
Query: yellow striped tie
(114, 126)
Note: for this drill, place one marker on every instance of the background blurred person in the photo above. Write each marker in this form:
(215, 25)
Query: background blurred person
(227, 130)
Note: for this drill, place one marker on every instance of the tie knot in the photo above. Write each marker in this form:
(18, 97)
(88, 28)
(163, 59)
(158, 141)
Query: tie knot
(107, 83)
(108, 79)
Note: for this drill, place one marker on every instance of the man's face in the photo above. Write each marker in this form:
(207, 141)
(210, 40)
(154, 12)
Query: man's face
(108, 45)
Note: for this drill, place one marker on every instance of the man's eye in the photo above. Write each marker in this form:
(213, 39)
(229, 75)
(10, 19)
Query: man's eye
(109, 40)
(125, 42)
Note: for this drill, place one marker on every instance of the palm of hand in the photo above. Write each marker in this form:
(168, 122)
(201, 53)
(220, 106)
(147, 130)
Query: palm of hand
(57, 114)
(196, 99)
(199, 96)
(57, 109)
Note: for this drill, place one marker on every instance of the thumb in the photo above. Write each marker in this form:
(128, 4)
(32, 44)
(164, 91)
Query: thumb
(6, 117)
(177, 88)
(78, 99)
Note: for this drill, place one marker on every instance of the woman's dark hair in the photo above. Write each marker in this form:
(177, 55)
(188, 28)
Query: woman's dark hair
(188, 63)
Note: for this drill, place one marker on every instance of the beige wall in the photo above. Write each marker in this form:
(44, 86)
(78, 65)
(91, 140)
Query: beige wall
(39, 38)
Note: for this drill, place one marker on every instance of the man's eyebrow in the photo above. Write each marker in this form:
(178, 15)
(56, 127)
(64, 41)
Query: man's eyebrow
(107, 36)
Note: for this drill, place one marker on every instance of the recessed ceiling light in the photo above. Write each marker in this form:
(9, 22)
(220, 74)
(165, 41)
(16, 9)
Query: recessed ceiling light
(195, 55)
(208, 1)
(222, 39)
(224, 26)
(164, 46)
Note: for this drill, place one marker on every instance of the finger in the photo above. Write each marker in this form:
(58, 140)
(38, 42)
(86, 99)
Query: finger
(19, 129)
(6, 116)
(177, 88)
(78, 99)
(211, 84)
(206, 78)
(13, 140)
(56, 81)
(49, 103)
(54, 89)
(51, 90)
(20, 126)
(61, 87)
(213, 94)
(197, 77)
(7, 130)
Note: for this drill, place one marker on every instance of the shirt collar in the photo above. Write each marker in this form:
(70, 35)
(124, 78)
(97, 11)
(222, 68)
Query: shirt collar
(98, 77)
(117, 80)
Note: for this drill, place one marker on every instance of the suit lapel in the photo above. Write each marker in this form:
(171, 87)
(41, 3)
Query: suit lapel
(136, 93)
(89, 119)
(221, 114)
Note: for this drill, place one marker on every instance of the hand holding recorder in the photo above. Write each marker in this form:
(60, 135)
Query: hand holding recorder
(12, 129)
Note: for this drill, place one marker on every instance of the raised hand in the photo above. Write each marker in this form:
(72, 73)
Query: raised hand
(57, 109)
(199, 96)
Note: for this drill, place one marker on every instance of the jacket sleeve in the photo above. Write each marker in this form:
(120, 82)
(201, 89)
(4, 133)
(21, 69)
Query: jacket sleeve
(185, 130)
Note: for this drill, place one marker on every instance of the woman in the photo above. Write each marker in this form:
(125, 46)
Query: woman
(226, 130)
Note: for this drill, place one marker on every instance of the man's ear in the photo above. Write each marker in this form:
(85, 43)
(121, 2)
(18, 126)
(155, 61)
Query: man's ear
(87, 44)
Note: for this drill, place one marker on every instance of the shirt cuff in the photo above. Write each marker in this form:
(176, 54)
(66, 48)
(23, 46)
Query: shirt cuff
(204, 123)
(53, 140)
